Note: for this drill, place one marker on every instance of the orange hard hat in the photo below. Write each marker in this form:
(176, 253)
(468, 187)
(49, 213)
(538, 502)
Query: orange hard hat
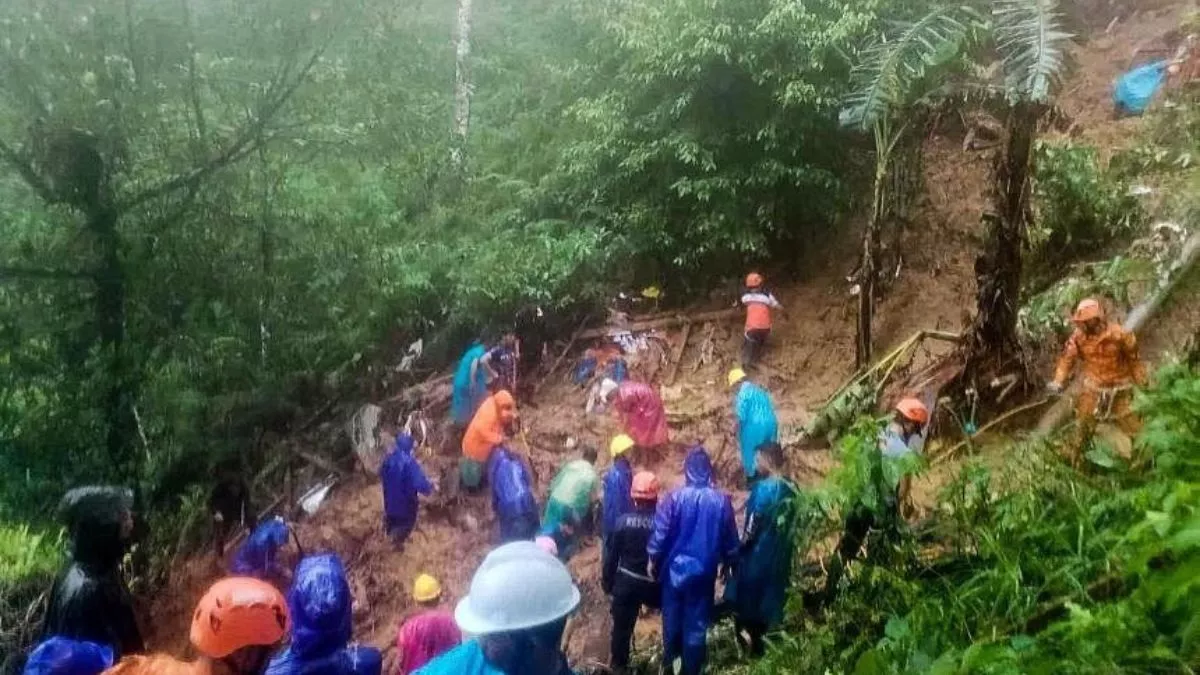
(645, 486)
(754, 280)
(238, 612)
(913, 409)
(1087, 310)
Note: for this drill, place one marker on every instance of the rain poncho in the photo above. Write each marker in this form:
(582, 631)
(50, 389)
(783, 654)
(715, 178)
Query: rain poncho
(256, 557)
(402, 479)
(618, 481)
(758, 590)
(694, 532)
(1134, 90)
(468, 393)
(642, 413)
(487, 427)
(570, 494)
(512, 494)
(424, 637)
(465, 659)
(320, 606)
(756, 422)
(62, 656)
(89, 600)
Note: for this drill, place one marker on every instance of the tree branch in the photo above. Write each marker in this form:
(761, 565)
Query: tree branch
(31, 177)
(246, 142)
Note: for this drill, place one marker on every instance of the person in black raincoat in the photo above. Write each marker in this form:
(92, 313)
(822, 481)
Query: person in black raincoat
(90, 600)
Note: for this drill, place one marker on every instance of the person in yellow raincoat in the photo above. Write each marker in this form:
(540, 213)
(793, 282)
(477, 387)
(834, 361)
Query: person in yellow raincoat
(1111, 367)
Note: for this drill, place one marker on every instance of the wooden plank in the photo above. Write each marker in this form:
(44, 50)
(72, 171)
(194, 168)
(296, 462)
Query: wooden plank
(319, 462)
(558, 362)
(678, 355)
(665, 322)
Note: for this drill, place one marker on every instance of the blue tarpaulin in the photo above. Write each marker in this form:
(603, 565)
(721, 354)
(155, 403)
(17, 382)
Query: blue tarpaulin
(1135, 89)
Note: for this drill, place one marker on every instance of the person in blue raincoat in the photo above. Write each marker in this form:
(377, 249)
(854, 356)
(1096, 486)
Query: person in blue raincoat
(618, 480)
(470, 385)
(758, 590)
(320, 606)
(756, 422)
(257, 556)
(63, 656)
(513, 502)
(694, 535)
(402, 479)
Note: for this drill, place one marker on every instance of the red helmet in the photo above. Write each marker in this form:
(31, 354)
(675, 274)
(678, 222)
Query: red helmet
(645, 486)
(238, 612)
(754, 280)
(1087, 310)
(913, 410)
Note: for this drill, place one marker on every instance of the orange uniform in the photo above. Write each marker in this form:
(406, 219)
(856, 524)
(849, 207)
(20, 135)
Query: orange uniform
(486, 430)
(758, 309)
(159, 664)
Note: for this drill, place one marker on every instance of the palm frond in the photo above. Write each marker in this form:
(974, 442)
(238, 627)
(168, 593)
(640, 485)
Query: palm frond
(1032, 46)
(889, 66)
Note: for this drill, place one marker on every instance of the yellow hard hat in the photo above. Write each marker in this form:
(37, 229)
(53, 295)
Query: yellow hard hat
(736, 375)
(619, 444)
(426, 589)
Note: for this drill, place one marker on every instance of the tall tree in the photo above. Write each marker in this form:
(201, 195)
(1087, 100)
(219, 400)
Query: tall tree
(462, 84)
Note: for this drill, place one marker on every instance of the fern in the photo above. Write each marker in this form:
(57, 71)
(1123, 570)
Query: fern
(1032, 47)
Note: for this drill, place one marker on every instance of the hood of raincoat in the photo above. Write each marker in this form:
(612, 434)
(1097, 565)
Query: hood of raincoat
(93, 517)
(320, 605)
(504, 400)
(697, 468)
(62, 656)
(404, 443)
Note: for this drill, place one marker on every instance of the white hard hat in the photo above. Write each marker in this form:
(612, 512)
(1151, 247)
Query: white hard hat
(518, 586)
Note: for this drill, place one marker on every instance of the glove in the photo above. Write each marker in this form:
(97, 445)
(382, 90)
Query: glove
(1054, 388)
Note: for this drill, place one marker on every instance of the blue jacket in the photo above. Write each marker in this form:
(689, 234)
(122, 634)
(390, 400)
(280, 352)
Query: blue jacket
(402, 479)
(512, 491)
(758, 590)
(468, 394)
(320, 605)
(256, 557)
(694, 528)
(618, 481)
(465, 659)
(63, 656)
(756, 422)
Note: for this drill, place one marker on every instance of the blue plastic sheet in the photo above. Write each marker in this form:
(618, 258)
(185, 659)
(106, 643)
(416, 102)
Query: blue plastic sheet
(1135, 89)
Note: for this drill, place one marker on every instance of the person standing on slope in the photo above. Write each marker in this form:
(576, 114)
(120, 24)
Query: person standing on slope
(492, 424)
(429, 633)
(618, 481)
(756, 421)
(641, 412)
(501, 361)
(758, 302)
(470, 386)
(694, 535)
(625, 577)
(402, 479)
(1111, 369)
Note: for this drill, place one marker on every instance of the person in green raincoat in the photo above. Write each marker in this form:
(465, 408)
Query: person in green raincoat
(757, 591)
(569, 505)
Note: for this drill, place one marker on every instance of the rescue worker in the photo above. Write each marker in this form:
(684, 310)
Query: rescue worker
(89, 600)
(758, 590)
(402, 479)
(755, 415)
(258, 556)
(490, 427)
(625, 577)
(758, 302)
(1111, 368)
(694, 535)
(618, 480)
(430, 632)
(229, 504)
(320, 603)
(238, 623)
(500, 362)
(470, 386)
(513, 502)
(569, 503)
(517, 608)
(887, 485)
(641, 412)
(63, 656)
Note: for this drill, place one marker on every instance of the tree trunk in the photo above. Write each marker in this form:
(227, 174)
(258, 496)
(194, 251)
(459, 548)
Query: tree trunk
(110, 324)
(998, 269)
(462, 85)
(868, 269)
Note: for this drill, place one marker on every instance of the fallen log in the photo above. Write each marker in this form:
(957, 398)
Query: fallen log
(319, 462)
(558, 362)
(677, 356)
(665, 322)
(420, 391)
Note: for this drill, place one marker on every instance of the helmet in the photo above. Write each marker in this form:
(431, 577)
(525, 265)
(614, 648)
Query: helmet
(1087, 310)
(754, 280)
(736, 375)
(547, 544)
(426, 589)
(238, 612)
(645, 486)
(913, 410)
(620, 444)
(518, 586)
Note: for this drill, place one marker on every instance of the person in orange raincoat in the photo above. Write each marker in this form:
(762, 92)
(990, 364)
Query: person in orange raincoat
(490, 427)
(1111, 368)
